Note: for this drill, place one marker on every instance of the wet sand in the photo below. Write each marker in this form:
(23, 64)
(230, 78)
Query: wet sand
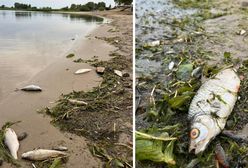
(56, 79)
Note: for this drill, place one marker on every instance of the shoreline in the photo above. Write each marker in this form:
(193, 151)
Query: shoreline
(23, 106)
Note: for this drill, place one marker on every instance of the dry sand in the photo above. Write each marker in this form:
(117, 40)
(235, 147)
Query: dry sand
(56, 79)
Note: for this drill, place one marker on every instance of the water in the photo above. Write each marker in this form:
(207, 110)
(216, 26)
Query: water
(29, 41)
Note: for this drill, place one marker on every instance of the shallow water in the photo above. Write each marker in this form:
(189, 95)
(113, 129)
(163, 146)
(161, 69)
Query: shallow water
(30, 41)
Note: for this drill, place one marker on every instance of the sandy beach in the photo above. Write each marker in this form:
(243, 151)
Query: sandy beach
(57, 79)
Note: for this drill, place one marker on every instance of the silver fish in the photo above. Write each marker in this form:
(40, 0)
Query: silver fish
(11, 141)
(210, 108)
(82, 71)
(32, 88)
(42, 154)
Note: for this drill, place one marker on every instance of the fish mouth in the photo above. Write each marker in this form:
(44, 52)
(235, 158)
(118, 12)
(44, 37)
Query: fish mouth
(195, 151)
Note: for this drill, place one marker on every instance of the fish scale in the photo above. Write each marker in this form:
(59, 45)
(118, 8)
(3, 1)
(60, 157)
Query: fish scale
(206, 100)
(211, 106)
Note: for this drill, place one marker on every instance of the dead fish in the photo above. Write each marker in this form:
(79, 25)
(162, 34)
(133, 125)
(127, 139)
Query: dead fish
(11, 141)
(32, 88)
(82, 71)
(220, 156)
(42, 154)
(210, 108)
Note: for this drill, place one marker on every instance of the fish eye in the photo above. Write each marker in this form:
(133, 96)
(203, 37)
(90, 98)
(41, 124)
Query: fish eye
(194, 133)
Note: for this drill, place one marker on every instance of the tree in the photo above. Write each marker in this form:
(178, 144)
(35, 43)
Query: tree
(124, 2)
(22, 6)
(91, 5)
(101, 5)
(84, 8)
(73, 7)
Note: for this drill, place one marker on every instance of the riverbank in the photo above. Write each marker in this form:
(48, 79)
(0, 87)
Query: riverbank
(184, 43)
(57, 79)
(106, 120)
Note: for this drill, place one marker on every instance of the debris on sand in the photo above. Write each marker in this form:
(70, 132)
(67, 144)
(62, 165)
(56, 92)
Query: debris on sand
(184, 72)
(117, 72)
(22, 136)
(100, 70)
(77, 102)
(11, 141)
(220, 156)
(42, 154)
(193, 163)
(241, 32)
(60, 148)
(197, 72)
(153, 43)
(82, 71)
(171, 65)
(70, 55)
(31, 88)
(240, 136)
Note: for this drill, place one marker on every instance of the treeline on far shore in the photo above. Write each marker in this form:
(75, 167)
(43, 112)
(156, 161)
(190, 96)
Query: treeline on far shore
(89, 6)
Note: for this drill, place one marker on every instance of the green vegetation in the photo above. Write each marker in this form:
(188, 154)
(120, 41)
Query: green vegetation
(125, 2)
(90, 6)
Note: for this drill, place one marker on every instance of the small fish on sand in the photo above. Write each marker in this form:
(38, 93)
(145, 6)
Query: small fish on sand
(42, 154)
(210, 108)
(82, 71)
(32, 88)
(11, 141)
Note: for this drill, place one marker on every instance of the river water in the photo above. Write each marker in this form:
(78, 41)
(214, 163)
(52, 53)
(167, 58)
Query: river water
(30, 41)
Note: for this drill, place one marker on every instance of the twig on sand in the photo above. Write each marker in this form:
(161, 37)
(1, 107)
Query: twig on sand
(125, 145)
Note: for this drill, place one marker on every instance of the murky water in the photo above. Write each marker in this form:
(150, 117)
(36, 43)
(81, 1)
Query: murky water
(29, 41)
